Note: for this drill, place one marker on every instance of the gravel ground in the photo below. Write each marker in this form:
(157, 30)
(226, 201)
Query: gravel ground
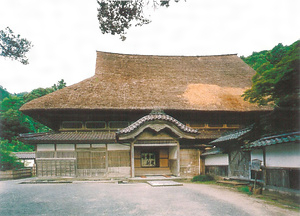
(94, 198)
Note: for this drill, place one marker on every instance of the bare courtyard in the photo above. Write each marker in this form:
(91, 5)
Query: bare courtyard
(94, 198)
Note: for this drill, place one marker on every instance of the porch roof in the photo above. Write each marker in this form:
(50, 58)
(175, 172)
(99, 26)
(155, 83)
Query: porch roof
(157, 115)
(70, 137)
(273, 140)
(157, 121)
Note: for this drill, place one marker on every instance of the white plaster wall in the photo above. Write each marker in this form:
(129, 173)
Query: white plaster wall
(215, 160)
(98, 146)
(28, 162)
(283, 155)
(45, 147)
(114, 147)
(257, 154)
(83, 145)
(65, 147)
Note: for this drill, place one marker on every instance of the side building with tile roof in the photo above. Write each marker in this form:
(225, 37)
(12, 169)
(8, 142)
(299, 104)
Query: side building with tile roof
(278, 155)
(141, 115)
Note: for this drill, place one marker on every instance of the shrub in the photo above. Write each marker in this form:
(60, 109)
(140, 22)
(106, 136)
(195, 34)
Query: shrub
(8, 161)
(244, 189)
(202, 178)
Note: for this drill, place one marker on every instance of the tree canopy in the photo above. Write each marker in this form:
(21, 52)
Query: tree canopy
(3, 93)
(116, 17)
(276, 81)
(13, 46)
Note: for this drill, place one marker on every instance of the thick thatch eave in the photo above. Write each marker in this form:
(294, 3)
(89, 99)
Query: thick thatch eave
(140, 82)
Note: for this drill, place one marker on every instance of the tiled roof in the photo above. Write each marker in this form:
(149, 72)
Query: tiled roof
(213, 151)
(153, 116)
(24, 155)
(70, 137)
(232, 135)
(273, 140)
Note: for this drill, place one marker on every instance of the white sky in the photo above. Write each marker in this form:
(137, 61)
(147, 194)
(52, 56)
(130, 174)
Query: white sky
(65, 34)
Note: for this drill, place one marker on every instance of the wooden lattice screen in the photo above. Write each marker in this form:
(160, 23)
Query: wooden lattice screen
(90, 160)
(118, 158)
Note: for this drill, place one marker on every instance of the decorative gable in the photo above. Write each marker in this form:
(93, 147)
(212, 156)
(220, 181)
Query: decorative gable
(157, 121)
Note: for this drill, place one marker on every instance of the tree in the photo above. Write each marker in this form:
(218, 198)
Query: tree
(3, 93)
(14, 47)
(276, 80)
(116, 17)
(60, 85)
(7, 160)
(13, 122)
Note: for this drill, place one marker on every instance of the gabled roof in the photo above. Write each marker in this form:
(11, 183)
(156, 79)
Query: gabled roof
(273, 140)
(233, 135)
(69, 137)
(157, 121)
(144, 82)
(154, 116)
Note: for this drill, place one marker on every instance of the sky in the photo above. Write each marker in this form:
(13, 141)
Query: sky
(66, 35)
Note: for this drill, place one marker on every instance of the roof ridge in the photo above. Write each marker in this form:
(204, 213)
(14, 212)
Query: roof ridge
(128, 54)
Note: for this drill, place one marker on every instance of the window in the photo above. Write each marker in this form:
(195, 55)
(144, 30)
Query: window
(95, 125)
(148, 159)
(72, 125)
(118, 124)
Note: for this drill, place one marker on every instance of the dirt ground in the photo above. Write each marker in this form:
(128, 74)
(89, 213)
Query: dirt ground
(95, 198)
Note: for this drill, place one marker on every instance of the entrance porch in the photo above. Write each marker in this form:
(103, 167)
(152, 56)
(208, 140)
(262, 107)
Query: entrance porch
(155, 159)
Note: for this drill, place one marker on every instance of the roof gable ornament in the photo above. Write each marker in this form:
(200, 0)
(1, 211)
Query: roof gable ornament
(157, 120)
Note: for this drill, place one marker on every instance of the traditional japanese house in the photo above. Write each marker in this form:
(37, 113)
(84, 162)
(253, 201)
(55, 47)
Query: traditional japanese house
(141, 114)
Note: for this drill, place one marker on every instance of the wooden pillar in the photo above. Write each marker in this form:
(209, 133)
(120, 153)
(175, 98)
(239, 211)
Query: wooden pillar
(132, 159)
(264, 167)
(178, 159)
(106, 159)
(201, 163)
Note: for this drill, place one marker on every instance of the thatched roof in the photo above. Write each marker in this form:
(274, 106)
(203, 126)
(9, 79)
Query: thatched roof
(209, 83)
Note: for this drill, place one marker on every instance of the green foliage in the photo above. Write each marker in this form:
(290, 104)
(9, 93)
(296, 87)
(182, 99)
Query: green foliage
(14, 146)
(3, 93)
(277, 79)
(116, 17)
(13, 46)
(13, 122)
(7, 160)
(60, 85)
(202, 178)
(244, 189)
(36, 93)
